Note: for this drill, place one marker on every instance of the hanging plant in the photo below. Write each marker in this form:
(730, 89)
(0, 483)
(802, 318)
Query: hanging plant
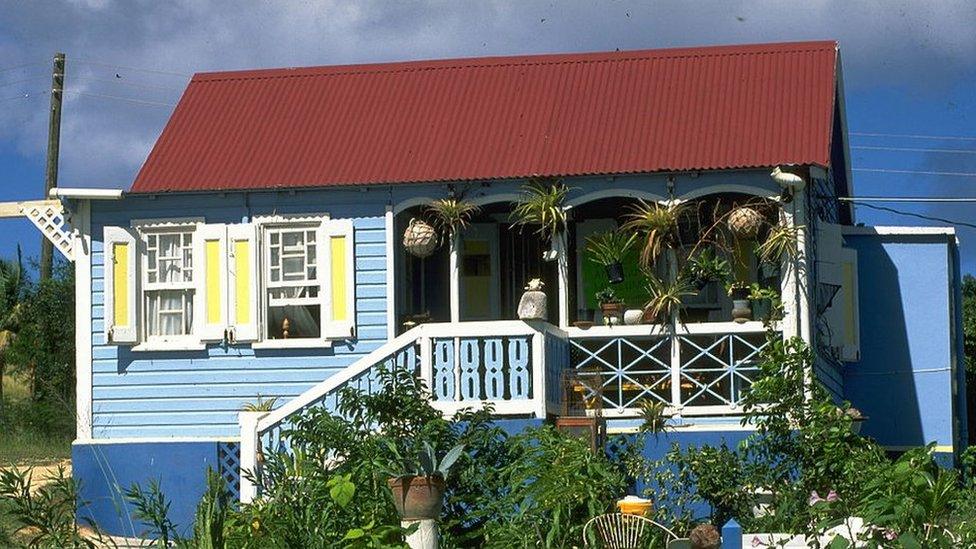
(745, 222)
(705, 267)
(659, 226)
(541, 205)
(608, 249)
(451, 215)
(420, 239)
(664, 298)
(782, 242)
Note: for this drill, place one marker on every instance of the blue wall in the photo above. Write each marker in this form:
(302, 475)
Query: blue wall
(909, 341)
(106, 471)
(199, 394)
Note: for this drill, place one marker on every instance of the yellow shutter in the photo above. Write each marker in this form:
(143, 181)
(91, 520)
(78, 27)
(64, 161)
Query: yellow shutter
(121, 283)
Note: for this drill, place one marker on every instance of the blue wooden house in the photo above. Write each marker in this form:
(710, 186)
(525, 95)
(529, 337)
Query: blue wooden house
(259, 255)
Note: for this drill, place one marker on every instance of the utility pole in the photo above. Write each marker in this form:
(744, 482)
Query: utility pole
(53, 146)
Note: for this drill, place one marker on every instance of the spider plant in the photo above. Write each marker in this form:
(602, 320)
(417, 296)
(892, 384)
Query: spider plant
(705, 267)
(659, 226)
(782, 241)
(665, 298)
(610, 247)
(541, 205)
(450, 215)
(261, 405)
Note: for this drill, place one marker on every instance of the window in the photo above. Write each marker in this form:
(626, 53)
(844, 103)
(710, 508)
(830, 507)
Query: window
(168, 283)
(294, 306)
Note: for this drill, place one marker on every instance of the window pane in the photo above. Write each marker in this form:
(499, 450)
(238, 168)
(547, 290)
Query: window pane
(274, 239)
(294, 322)
(275, 257)
(292, 239)
(293, 268)
(169, 312)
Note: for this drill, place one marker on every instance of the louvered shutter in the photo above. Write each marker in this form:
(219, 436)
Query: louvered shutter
(338, 292)
(211, 281)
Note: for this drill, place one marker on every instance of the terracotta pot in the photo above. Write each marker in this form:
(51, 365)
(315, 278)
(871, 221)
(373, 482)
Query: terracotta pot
(612, 312)
(418, 498)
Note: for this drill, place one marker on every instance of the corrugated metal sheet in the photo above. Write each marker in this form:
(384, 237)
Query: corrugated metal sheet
(502, 117)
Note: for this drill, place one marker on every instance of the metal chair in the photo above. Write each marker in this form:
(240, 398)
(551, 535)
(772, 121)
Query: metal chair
(622, 531)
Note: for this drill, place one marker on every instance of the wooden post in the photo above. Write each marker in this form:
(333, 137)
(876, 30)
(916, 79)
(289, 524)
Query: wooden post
(53, 146)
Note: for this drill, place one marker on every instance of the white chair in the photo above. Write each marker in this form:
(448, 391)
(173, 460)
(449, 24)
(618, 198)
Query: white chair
(622, 531)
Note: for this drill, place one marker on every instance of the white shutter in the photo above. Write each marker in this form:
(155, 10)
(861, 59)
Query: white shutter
(338, 292)
(210, 280)
(242, 282)
(121, 252)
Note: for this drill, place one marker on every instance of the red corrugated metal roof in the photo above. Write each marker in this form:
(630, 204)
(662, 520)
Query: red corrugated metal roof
(500, 117)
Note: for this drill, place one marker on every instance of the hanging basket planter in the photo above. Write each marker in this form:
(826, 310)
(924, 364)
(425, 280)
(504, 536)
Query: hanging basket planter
(420, 239)
(745, 222)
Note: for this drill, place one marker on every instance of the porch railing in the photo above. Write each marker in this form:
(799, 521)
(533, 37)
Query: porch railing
(698, 369)
(509, 364)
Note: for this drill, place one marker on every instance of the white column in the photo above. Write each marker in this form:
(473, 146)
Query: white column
(538, 343)
(795, 285)
(561, 243)
(81, 225)
(425, 536)
(455, 275)
(249, 452)
(390, 276)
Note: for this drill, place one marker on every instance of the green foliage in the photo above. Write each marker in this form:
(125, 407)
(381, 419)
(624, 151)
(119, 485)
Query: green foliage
(664, 298)
(969, 324)
(260, 405)
(659, 226)
(706, 266)
(151, 508)
(541, 206)
(43, 516)
(609, 247)
(450, 215)
(424, 463)
(782, 243)
(607, 295)
(556, 484)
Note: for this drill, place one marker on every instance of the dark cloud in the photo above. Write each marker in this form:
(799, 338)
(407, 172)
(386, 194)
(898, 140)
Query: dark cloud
(921, 45)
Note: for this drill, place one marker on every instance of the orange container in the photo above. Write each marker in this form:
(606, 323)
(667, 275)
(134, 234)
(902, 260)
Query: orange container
(633, 505)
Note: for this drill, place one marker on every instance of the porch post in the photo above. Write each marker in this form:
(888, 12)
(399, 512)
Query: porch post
(455, 281)
(795, 288)
(562, 246)
(83, 320)
(249, 452)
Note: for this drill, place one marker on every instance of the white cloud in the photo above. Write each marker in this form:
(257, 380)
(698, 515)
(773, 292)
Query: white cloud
(918, 43)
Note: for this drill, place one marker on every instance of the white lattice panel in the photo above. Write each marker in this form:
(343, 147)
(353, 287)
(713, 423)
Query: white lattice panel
(49, 216)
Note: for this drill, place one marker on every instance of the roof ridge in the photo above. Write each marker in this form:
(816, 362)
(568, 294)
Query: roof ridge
(538, 60)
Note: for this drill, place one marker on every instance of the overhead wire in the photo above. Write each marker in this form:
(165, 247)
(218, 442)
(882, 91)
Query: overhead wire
(21, 66)
(120, 98)
(127, 68)
(124, 82)
(918, 215)
(913, 149)
(915, 136)
(914, 172)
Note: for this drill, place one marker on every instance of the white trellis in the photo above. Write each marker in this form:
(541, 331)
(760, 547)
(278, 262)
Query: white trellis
(50, 217)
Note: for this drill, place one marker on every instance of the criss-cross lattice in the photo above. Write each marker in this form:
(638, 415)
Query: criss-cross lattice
(623, 376)
(229, 466)
(727, 365)
(50, 218)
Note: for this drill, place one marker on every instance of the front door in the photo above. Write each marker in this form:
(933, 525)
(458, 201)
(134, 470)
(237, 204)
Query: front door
(479, 277)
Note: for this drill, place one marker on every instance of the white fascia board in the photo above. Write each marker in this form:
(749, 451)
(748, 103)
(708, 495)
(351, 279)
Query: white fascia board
(86, 194)
(899, 231)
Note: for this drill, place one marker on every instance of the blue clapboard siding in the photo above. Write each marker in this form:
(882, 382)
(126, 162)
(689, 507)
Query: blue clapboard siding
(199, 393)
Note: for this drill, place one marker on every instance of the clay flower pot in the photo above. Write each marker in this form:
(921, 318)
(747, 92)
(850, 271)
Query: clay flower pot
(418, 498)
(612, 312)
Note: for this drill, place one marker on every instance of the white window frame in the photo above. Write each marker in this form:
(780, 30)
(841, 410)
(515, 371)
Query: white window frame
(314, 222)
(145, 228)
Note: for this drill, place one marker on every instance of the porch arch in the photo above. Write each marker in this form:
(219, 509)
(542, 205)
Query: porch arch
(728, 188)
(405, 205)
(614, 193)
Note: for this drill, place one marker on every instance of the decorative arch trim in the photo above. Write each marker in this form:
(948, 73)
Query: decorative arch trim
(614, 193)
(728, 188)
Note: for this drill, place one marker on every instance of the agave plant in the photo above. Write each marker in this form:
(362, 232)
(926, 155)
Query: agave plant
(425, 462)
(541, 206)
(782, 241)
(665, 297)
(451, 215)
(260, 405)
(659, 226)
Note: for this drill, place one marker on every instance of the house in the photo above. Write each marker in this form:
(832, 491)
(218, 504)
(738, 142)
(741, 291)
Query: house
(259, 255)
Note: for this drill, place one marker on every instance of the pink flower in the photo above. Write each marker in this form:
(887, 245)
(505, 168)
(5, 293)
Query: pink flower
(890, 534)
(756, 542)
(815, 498)
(832, 496)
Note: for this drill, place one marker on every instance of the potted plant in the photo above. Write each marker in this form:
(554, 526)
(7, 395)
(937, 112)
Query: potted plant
(450, 215)
(664, 299)
(745, 222)
(420, 239)
(611, 306)
(781, 243)
(419, 483)
(739, 293)
(707, 267)
(659, 226)
(608, 249)
(541, 205)
(764, 302)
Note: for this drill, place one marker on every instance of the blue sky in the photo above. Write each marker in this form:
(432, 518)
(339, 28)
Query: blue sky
(909, 68)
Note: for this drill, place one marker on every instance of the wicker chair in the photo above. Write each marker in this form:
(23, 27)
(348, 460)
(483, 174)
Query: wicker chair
(622, 531)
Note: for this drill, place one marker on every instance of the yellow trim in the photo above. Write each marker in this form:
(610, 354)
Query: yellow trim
(213, 281)
(242, 262)
(849, 303)
(339, 278)
(120, 284)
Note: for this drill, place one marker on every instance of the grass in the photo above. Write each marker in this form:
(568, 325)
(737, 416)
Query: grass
(18, 444)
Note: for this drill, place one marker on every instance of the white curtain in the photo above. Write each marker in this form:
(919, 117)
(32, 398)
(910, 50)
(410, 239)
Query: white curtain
(169, 312)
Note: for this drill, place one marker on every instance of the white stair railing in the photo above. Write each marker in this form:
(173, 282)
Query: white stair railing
(512, 365)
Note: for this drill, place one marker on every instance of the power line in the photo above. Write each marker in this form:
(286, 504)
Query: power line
(119, 98)
(914, 136)
(126, 83)
(919, 216)
(32, 79)
(24, 96)
(15, 67)
(914, 149)
(920, 199)
(122, 67)
(913, 172)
